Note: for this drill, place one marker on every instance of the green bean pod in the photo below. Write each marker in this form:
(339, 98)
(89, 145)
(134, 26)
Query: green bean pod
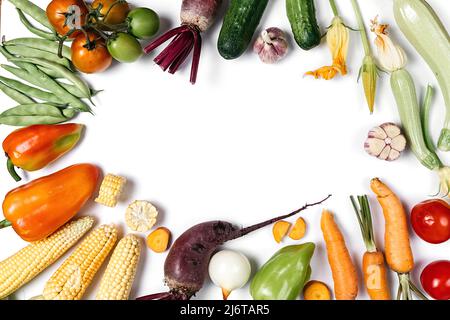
(64, 72)
(16, 95)
(33, 29)
(34, 11)
(29, 114)
(41, 44)
(24, 75)
(30, 91)
(21, 50)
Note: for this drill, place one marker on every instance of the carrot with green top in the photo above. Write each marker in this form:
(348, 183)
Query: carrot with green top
(398, 251)
(373, 265)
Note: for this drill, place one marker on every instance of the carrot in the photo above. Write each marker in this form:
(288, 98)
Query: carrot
(316, 290)
(298, 230)
(280, 229)
(373, 266)
(158, 240)
(344, 272)
(398, 251)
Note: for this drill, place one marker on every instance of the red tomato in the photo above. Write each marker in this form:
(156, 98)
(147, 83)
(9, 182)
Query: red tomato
(431, 220)
(92, 57)
(435, 279)
(63, 14)
(117, 11)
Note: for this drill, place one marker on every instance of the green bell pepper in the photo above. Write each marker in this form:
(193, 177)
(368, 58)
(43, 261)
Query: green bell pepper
(284, 275)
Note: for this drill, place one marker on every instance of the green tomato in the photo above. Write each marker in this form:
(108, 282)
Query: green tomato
(124, 47)
(143, 23)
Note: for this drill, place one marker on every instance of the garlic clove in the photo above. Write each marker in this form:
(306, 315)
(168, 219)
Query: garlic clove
(398, 143)
(378, 133)
(391, 129)
(393, 155)
(374, 146)
(385, 153)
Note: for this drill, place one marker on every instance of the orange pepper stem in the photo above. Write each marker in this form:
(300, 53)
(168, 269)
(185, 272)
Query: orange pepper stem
(12, 170)
(4, 224)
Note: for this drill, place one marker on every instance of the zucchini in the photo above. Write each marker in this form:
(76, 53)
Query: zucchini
(239, 25)
(423, 29)
(302, 17)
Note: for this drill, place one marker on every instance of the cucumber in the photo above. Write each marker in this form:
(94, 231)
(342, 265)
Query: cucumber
(239, 25)
(302, 17)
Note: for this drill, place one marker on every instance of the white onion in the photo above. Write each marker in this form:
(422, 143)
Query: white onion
(229, 270)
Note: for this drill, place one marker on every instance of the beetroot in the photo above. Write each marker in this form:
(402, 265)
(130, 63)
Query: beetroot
(196, 17)
(186, 265)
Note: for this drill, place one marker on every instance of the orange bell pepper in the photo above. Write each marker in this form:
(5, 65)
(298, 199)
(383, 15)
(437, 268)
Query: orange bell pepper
(32, 148)
(38, 208)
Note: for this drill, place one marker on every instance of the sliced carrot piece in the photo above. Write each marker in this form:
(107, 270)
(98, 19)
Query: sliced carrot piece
(298, 230)
(316, 290)
(158, 240)
(280, 229)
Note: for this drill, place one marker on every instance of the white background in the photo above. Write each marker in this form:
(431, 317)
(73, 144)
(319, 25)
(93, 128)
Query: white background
(249, 141)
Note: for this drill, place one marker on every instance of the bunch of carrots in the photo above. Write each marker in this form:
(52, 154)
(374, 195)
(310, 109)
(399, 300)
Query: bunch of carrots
(398, 251)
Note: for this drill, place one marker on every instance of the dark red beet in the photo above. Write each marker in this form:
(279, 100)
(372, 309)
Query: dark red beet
(196, 17)
(186, 265)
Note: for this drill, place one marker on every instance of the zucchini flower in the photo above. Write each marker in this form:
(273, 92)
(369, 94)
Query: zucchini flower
(368, 71)
(391, 57)
(337, 41)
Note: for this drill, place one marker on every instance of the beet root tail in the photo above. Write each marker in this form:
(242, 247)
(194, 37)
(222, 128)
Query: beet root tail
(172, 57)
(165, 296)
(247, 230)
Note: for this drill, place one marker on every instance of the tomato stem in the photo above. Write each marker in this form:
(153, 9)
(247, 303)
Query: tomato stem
(12, 170)
(4, 224)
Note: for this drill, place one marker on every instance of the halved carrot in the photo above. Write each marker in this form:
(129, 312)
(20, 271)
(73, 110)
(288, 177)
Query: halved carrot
(280, 229)
(298, 230)
(158, 240)
(316, 290)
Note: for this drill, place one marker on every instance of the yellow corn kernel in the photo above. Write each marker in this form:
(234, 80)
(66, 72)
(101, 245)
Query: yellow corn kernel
(118, 278)
(110, 190)
(73, 277)
(26, 264)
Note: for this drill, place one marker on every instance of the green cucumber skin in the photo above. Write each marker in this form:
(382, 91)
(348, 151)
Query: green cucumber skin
(239, 25)
(302, 17)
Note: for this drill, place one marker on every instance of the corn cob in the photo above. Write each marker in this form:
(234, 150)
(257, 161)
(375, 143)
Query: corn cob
(110, 190)
(73, 277)
(118, 278)
(26, 264)
(141, 216)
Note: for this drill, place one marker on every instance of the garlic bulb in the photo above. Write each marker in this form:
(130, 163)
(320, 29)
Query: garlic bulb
(229, 270)
(386, 142)
(271, 45)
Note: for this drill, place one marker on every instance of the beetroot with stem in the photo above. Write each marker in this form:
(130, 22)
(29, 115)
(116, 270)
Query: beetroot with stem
(186, 265)
(196, 17)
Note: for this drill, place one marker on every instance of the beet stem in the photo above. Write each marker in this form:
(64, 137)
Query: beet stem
(176, 49)
(163, 54)
(181, 58)
(166, 36)
(242, 232)
(196, 55)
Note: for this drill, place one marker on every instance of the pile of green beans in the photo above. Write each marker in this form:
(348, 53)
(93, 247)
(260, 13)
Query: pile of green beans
(55, 92)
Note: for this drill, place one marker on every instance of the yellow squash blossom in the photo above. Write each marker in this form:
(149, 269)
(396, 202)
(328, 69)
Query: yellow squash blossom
(337, 41)
(391, 56)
